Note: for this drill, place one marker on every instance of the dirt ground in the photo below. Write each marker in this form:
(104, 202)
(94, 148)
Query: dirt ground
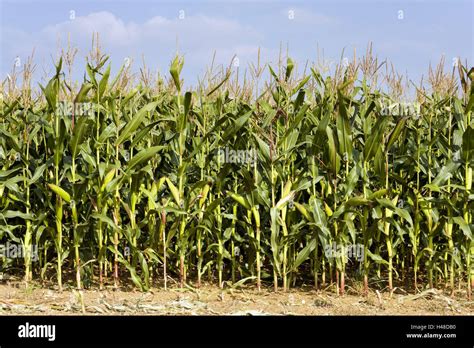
(17, 299)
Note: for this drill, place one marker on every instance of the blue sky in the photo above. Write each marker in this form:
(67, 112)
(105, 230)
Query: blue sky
(428, 30)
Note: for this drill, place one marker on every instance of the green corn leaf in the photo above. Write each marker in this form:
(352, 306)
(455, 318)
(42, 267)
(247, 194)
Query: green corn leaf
(82, 94)
(376, 258)
(334, 159)
(38, 173)
(80, 131)
(5, 173)
(60, 192)
(239, 199)
(468, 144)
(299, 86)
(175, 71)
(302, 209)
(174, 191)
(282, 202)
(289, 68)
(466, 229)
(396, 132)
(343, 129)
(103, 82)
(236, 126)
(445, 173)
(227, 76)
(374, 140)
(143, 156)
(135, 122)
(303, 255)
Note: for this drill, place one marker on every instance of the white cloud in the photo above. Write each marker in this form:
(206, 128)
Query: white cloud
(193, 34)
(112, 29)
(157, 38)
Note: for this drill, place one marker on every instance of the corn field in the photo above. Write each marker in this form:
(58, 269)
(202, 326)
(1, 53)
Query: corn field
(109, 183)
